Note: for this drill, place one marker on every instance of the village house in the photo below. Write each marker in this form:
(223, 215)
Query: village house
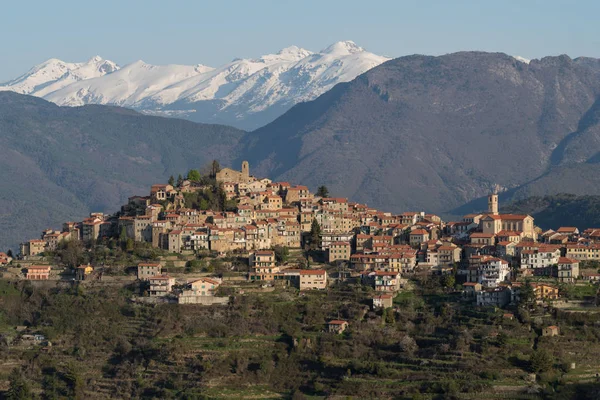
(542, 257)
(160, 285)
(38, 272)
(338, 251)
(204, 286)
(382, 281)
(567, 270)
(383, 301)
(263, 265)
(544, 291)
(568, 231)
(147, 270)
(313, 279)
(83, 271)
(337, 326)
(493, 271)
(470, 289)
(418, 236)
(32, 247)
(550, 331)
(494, 297)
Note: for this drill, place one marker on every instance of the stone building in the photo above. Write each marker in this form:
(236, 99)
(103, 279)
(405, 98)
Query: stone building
(230, 175)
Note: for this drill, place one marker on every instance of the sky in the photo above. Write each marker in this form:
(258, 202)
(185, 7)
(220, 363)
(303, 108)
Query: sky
(213, 33)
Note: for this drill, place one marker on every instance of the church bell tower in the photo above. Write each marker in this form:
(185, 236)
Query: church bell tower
(493, 203)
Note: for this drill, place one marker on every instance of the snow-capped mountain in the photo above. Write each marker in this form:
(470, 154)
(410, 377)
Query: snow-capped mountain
(55, 74)
(246, 93)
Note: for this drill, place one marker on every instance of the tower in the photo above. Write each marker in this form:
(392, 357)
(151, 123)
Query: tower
(493, 204)
(245, 171)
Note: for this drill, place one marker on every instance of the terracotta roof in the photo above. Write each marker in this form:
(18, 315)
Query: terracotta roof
(149, 265)
(566, 229)
(312, 272)
(566, 260)
(337, 322)
(482, 235)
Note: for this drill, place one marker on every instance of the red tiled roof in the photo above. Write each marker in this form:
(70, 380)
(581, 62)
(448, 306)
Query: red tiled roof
(312, 272)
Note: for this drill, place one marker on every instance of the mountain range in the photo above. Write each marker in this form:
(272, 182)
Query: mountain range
(432, 133)
(414, 133)
(59, 163)
(245, 93)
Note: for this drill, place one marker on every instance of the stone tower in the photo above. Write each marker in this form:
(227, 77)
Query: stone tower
(493, 203)
(245, 171)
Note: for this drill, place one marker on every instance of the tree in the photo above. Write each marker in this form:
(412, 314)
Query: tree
(448, 280)
(179, 180)
(541, 361)
(315, 235)
(322, 191)
(9, 253)
(388, 316)
(18, 388)
(282, 254)
(215, 168)
(527, 294)
(193, 175)
(408, 345)
(171, 180)
(71, 253)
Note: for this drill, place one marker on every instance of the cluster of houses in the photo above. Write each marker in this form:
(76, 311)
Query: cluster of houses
(196, 291)
(5, 259)
(487, 251)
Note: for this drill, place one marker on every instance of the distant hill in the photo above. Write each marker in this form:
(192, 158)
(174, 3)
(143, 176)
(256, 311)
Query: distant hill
(552, 212)
(59, 163)
(432, 133)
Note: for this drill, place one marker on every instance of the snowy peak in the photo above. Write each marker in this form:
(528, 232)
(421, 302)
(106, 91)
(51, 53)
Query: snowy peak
(294, 52)
(53, 74)
(343, 48)
(239, 91)
(522, 59)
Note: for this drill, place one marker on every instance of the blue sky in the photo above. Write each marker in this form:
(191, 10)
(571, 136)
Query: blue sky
(215, 32)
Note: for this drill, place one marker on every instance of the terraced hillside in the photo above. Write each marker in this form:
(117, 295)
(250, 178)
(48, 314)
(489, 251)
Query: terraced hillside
(275, 345)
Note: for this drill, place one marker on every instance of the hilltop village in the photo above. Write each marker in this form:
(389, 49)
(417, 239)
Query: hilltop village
(490, 254)
(223, 285)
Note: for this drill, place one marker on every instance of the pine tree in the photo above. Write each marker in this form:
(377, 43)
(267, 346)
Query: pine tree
(179, 180)
(527, 294)
(315, 235)
(171, 180)
(322, 191)
(214, 169)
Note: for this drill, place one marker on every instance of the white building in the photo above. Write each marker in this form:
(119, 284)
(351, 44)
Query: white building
(541, 257)
(492, 272)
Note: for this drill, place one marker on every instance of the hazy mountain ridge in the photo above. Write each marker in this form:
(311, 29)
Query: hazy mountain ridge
(60, 163)
(422, 132)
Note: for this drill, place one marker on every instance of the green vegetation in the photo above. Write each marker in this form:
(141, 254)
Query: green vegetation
(276, 345)
(322, 191)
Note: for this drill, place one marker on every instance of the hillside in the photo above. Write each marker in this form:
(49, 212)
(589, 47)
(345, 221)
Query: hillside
(245, 93)
(551, 212)
(59, 163)
(432, 133)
